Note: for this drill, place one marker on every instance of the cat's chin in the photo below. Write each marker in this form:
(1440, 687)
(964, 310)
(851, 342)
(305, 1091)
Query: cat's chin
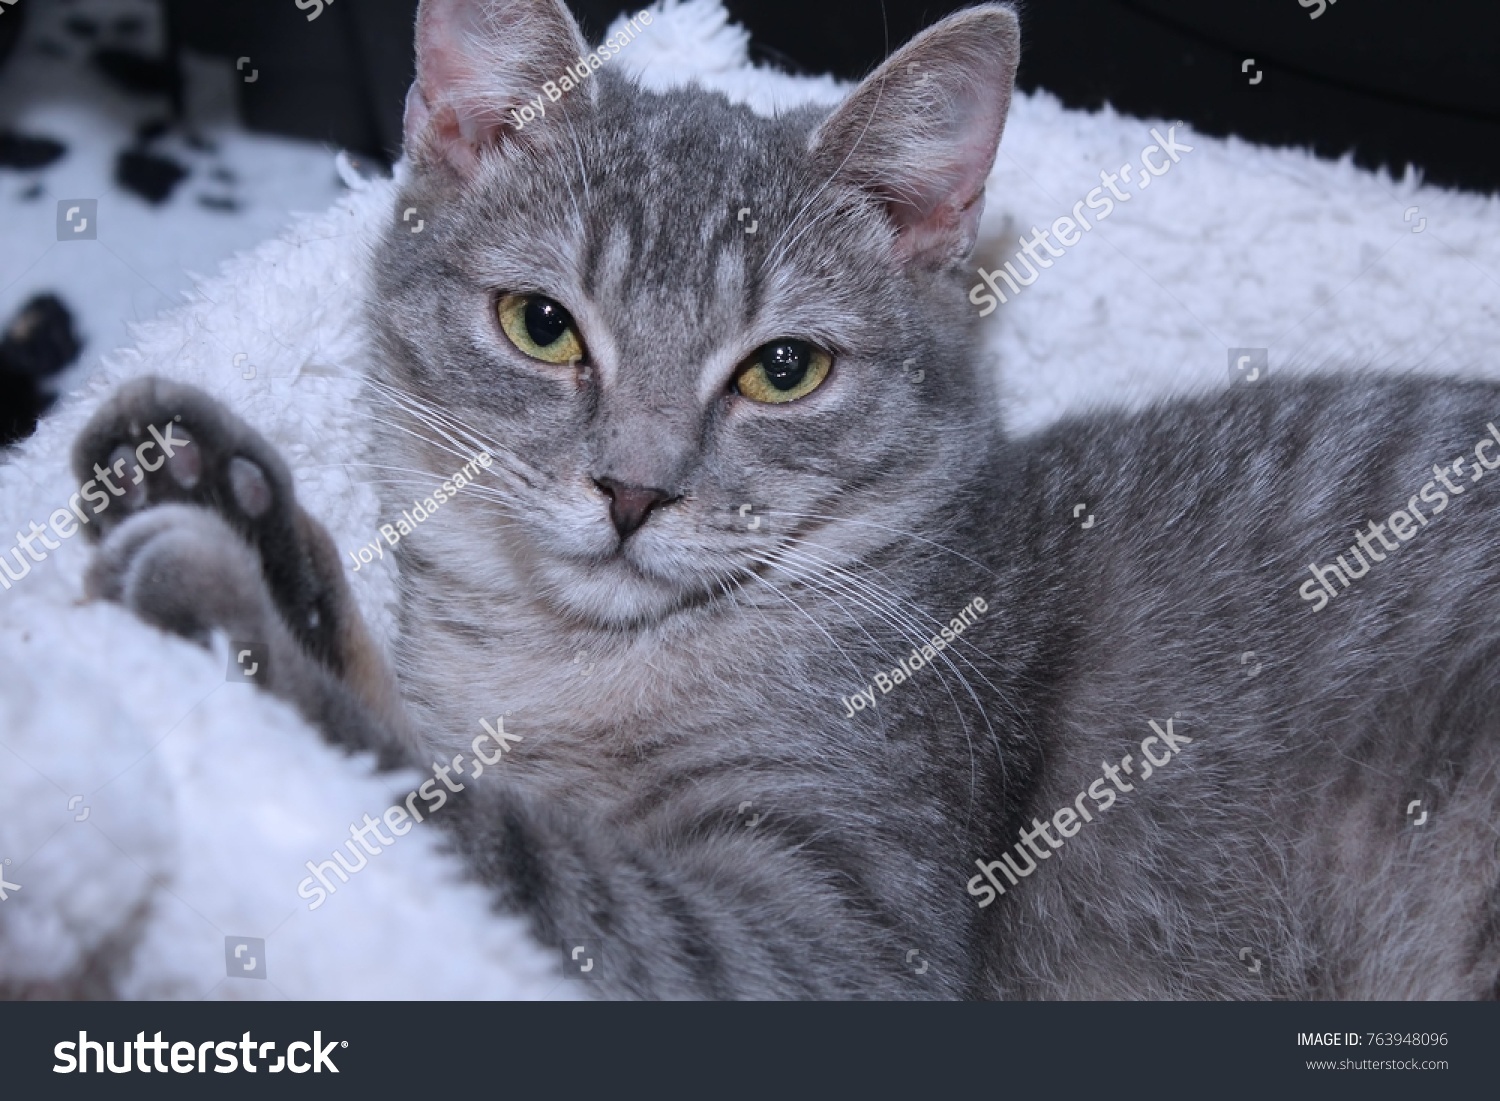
(613, 592)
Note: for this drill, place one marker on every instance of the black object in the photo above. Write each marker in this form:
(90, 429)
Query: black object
(37, 345)
(339, 77)
(151, 176)
(26, 151)
(81, 26)
(1391, 81)
(10, 30)
(139, 73)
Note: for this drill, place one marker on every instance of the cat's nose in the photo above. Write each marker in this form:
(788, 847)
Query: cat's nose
(629, 506)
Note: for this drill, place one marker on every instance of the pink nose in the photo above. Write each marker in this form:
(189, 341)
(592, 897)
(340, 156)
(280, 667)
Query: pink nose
(629, 506)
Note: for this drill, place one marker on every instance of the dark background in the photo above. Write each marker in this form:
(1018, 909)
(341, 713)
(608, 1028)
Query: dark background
(1393, 82)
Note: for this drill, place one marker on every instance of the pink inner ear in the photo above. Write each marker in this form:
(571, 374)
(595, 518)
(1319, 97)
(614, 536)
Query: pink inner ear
(465, 60)
(449, 32)
(922, 132)
(446, 130)
(939, 207)
(950, 184)
(478, 60)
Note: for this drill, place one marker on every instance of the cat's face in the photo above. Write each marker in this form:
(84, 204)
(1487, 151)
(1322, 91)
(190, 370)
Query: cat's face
(677, 395)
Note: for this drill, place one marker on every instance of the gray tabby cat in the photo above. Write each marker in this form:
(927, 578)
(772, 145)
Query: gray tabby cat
(743, 480)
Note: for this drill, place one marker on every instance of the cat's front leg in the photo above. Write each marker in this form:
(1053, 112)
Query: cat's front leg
(200, 531)
(703, 907)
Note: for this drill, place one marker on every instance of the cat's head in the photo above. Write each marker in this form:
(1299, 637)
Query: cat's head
(697, 340)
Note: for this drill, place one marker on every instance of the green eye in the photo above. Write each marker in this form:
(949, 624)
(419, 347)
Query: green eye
(540, 328)
(783, 371)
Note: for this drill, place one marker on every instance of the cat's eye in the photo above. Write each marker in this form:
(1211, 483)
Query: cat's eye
(540, 328)
(782, 371)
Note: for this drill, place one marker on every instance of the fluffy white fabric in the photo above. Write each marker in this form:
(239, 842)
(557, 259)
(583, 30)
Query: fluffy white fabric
(206, 798)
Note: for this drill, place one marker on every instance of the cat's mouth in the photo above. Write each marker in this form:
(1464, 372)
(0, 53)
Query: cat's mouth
(622, 588)
(642, 577)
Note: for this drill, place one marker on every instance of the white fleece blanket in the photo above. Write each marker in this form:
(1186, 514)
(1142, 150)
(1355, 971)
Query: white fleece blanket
(150, 808)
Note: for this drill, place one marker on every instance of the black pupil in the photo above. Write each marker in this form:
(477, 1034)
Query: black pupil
(785, 363)
(546, 321)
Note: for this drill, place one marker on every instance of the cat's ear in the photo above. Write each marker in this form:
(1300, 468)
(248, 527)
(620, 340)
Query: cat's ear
(921, 132)
(480, 60)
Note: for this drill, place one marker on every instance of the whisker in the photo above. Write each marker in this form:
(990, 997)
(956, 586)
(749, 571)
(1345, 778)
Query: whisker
(808, 616)
(447, 424)
(893, 530)
(893, 619)
(916, 608)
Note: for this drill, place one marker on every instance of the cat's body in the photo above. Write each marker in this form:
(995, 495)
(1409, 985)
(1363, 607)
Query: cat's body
(674, 590)
(1284, 828)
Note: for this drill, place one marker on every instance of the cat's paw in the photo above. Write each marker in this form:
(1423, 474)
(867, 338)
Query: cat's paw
(185, 570)
(157, 446)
